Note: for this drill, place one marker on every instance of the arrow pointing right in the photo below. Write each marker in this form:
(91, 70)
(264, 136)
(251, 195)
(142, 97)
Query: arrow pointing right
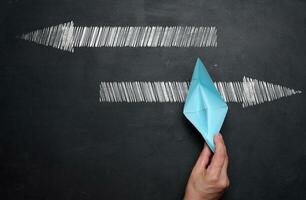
(249, 92)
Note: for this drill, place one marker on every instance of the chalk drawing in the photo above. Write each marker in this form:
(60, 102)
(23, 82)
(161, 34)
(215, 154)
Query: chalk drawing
(67, 36)
(249, 92)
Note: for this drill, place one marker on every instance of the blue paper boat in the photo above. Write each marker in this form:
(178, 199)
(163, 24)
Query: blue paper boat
(204, 107)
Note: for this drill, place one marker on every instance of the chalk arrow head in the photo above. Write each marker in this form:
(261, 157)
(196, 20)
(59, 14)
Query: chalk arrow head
(256, 92)
(60, 36)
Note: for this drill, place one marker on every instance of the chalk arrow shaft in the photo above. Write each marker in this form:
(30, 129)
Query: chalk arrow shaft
(67, 36)
(249, 92)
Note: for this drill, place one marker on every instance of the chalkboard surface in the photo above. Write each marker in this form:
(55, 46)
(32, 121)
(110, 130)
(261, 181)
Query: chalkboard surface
(58, 141)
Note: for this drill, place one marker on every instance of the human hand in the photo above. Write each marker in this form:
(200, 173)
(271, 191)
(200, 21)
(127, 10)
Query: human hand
(208, 179)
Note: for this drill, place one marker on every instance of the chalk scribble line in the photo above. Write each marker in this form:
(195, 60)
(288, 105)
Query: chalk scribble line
(67, 36)
(249, 92)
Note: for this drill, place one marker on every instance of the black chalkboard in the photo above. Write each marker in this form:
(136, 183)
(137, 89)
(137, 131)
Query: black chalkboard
(59, 142)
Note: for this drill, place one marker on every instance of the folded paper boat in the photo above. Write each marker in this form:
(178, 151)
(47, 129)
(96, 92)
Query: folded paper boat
(204, 107)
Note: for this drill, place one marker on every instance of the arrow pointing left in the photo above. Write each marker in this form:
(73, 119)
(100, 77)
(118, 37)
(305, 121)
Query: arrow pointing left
(67, 36)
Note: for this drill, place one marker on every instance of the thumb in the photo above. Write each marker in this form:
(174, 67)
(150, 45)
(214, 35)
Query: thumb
(203, 159)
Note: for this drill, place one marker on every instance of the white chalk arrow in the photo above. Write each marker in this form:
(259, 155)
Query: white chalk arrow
(249, 92)
(67, 36)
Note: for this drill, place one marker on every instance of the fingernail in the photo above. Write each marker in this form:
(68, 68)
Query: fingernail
(219, 135)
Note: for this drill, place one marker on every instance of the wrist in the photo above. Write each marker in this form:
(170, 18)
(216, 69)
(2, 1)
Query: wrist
(192, 194)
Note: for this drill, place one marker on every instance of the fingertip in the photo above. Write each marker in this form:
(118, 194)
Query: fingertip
(220, 146)
(218, 138)
(218, 135)
(205, 146)
(207, 149)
